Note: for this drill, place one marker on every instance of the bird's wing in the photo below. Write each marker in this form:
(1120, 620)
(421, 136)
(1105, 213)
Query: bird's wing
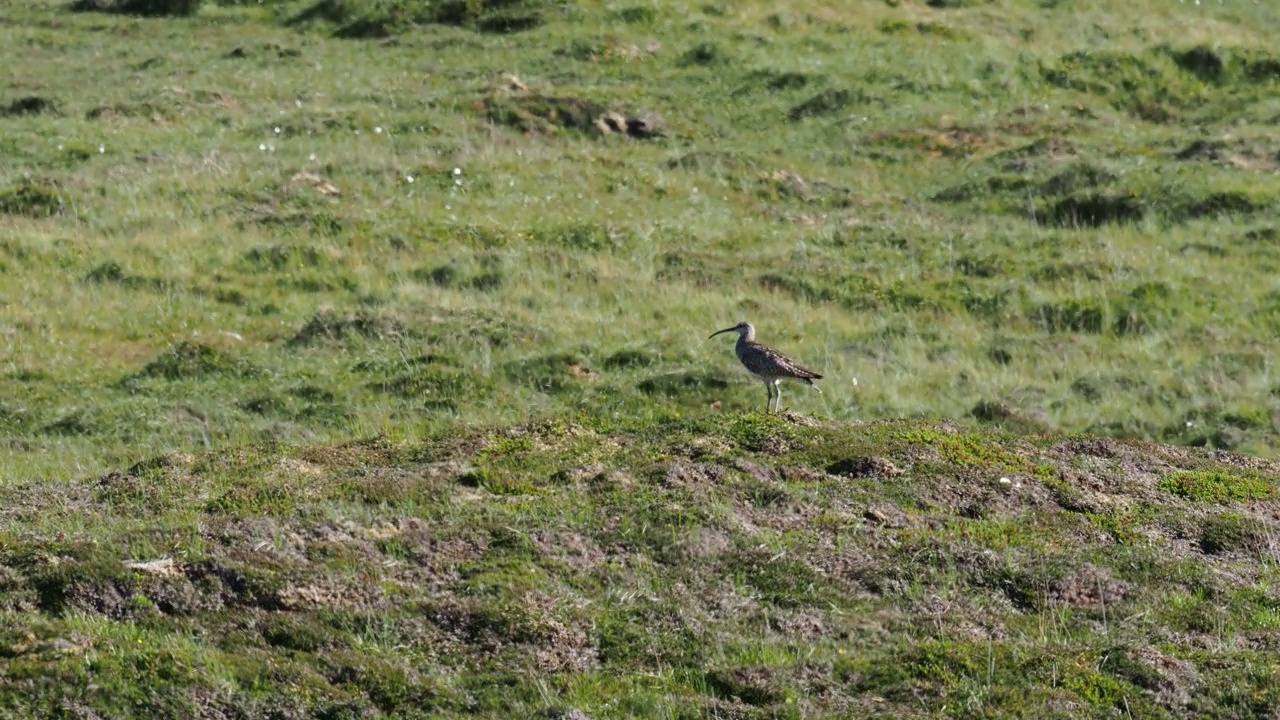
(789, 366)
(803, 372)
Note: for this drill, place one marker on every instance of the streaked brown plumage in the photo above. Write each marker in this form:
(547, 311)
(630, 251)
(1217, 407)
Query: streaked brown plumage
(767, 364)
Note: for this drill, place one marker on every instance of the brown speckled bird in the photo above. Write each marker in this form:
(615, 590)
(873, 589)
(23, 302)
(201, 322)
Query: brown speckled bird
(766, 364)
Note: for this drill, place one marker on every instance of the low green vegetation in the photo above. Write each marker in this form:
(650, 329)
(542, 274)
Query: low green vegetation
(226, 222)
(738, 565)
(1218, 486)
(356, 362)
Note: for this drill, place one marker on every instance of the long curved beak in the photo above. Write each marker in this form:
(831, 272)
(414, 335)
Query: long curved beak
(721, 331)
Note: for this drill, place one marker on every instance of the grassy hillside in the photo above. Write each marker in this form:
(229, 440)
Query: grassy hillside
(736, 567)
(240, 239)
(1047, 215)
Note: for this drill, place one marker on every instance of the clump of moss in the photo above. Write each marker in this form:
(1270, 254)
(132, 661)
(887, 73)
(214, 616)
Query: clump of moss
(1219, 486)
(1230, 532)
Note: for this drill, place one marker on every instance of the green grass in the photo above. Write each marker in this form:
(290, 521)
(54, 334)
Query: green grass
(1006, 213)
(1216, 486)
(636, 570)
(387, 322)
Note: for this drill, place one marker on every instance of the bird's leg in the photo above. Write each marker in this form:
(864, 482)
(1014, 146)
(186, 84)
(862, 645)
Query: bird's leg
(777, 387)
(768, 403)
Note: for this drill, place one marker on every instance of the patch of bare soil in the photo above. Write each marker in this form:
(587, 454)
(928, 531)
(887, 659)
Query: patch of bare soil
(797, 473)
(1178, 678)
(254, 536)
(727, 709)
(439, 557)
(682, 475)
(537, 113)
(704, 543)
(1090, 587)
(704, 447)
(531, 623)
(982, 493)
(867, 466)
(886, 515)
(780, 515)
(760, 473)
(1235, 153)
(804, 623)
(755, 685)
(23, 505)
(775, 446)
(181, 596)
(864, 568)
(95, 598)
(567, 649)
(959, 614)
(365, 452)
(1245, 462)
(578, 552)
(331, 593)
(1117, 469)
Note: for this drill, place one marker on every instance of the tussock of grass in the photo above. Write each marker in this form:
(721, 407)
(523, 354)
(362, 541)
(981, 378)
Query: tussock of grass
(355, 19)
(31, 199)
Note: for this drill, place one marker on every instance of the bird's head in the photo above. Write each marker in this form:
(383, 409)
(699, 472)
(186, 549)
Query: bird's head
(744, 329)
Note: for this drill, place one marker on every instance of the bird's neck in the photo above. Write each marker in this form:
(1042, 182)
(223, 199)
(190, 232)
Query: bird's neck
(747, 336)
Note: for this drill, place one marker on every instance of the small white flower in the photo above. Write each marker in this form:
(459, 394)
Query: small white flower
(854, 380)
(313, 157)
(277, 129)
(262, 147)
(102, 149)
(448, 207)
(457, 171)
(378, 130)
(59, 146)
(1005, 481)
(409, 178)
(458, 182)
(297, 103)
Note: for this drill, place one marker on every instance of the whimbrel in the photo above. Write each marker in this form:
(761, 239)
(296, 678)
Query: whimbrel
(766, 364)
